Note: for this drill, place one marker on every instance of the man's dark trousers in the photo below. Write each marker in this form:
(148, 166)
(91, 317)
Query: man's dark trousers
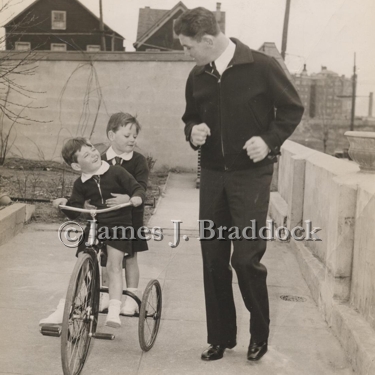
(233, 199)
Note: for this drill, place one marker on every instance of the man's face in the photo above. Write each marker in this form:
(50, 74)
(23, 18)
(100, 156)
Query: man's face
(200, 51)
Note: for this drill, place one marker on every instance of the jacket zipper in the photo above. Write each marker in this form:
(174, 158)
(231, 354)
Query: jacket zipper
(221, 126)
(221, 129)
(100, 190)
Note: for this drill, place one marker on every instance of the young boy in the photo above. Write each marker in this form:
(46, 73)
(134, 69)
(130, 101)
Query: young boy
(122, 132)
(98, 183)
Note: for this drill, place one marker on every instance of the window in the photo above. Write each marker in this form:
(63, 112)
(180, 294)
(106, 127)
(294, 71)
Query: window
(23, 46)
(58, 20)
(92, 48)
(58, 47)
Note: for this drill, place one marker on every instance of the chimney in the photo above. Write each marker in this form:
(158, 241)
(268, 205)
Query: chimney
(218, 12)
(304, 71)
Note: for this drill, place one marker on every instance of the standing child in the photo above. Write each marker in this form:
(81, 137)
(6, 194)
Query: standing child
(122, 132)
(98, 183)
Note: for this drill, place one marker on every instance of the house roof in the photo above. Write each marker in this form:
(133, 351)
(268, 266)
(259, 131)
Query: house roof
(78, 2)
(158, 23)
(147, 18)
(150, 20)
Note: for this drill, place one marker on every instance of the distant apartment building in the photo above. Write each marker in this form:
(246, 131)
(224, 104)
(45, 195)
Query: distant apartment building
(325, 95)
(59, 25)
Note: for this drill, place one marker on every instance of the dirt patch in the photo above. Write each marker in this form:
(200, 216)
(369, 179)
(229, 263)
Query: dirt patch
(39, 182)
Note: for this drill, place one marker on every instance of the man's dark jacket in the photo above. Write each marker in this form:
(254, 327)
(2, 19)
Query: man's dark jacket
(253, 97)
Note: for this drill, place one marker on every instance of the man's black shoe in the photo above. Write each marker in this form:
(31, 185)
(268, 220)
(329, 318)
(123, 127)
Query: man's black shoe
(256, 350)
(213, 352)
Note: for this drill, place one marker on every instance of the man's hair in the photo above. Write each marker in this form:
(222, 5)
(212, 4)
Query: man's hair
(194, 23)
(120, 119)
(71, 147)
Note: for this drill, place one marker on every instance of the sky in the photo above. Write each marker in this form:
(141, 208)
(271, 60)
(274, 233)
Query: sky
(321, 32)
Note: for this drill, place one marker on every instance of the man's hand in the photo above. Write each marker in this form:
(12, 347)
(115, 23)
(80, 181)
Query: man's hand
(117, 199)
(136, 201)
(59, 201)
(199, 134)
(256, 148)
(88, 206)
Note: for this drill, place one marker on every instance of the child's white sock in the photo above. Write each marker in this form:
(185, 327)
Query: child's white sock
(103, 302)
(130, 307)
(56, 317)
(113, 318)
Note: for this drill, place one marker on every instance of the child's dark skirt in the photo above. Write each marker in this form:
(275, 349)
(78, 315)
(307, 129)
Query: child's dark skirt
(118, 237)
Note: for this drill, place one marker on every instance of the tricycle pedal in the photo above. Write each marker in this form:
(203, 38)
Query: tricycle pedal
(103, 336)
(50, 331)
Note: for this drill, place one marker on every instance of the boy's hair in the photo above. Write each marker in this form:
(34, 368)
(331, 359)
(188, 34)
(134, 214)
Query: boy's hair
(120, 119)
(71, 147)
(194, 23)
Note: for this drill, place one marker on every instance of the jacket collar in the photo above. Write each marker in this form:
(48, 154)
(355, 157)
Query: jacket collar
(102, 169)
(242, 55)
(111, 154)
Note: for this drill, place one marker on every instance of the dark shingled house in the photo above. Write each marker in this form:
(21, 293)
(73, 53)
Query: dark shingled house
(59, 25)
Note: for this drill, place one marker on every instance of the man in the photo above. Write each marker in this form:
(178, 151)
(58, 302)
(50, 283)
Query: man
(240, 108)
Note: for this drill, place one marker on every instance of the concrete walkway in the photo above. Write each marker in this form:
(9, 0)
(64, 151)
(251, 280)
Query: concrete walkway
(35, 269)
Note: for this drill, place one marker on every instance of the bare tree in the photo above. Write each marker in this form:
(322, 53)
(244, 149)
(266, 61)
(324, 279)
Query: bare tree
(14, 66)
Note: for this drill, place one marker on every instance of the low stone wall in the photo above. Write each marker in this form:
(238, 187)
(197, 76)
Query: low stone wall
(362, 294)
(12, 220)
(340, 269)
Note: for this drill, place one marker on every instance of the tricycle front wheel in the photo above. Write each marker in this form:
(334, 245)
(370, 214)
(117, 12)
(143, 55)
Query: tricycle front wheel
(150, 315)
(80, 314)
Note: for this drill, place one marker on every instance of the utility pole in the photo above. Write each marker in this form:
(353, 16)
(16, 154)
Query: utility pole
(101, 27)
(285, 29)
(354, 89)
(370, 101)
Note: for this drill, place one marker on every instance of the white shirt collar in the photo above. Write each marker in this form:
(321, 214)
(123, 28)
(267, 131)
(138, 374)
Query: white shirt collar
(102, 169)
(111, 154)
(223, 60)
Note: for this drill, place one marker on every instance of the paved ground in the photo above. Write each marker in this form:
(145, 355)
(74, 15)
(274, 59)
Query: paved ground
(35, 269)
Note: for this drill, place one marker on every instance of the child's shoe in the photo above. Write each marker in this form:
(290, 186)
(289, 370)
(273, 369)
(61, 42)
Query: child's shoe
(130, 307)
(56, 317)
(103, 302)
(113, 316)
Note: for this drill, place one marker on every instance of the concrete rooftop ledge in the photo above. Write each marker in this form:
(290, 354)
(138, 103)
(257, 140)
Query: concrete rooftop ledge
(12, 220)
(278, 209)
(339, 199)
(355, 334)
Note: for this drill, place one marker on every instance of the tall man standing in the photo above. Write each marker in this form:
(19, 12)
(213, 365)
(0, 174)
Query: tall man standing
(240, 108)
